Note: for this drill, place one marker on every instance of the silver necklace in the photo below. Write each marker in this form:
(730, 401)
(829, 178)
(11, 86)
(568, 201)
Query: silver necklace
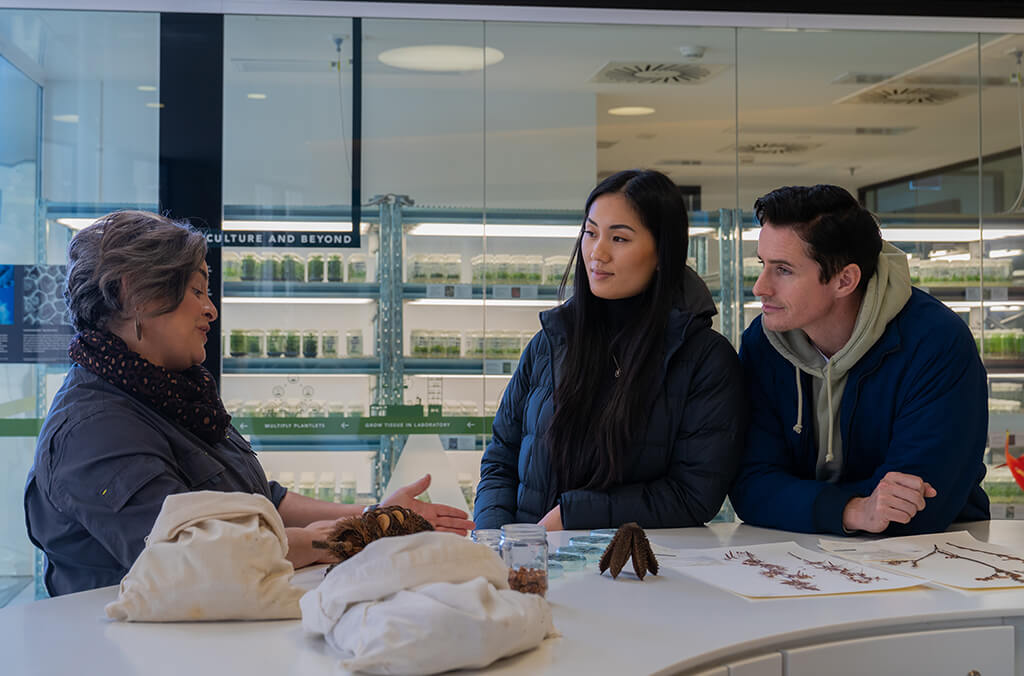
(618, 369)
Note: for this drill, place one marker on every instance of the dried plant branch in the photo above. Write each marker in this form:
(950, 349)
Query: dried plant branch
(851, 575)
(774, 571)
(997, 572)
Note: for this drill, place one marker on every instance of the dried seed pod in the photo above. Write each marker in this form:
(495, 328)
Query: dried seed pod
(350, 536)
(630, 541)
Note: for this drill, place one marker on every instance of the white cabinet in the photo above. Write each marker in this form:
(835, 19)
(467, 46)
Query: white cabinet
(763, 665)
(985, 651)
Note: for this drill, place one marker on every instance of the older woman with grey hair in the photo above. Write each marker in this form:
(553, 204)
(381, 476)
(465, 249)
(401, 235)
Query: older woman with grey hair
(138, 418)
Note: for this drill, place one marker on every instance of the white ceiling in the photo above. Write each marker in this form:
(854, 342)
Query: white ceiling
(786, 83)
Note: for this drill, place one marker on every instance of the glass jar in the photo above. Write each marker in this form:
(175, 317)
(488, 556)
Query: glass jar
(250, 267)
(254, 343)
(292, 344)
(237, 343)
(335, 268)
(273, 268)
(310, 344)
(357, 268)
(329, 344)
(315, 268)
(275, 343)
(325, 489)
(293, 269)
(478, 265)
(524, 548)
(231, 265)
(354, 342)
(488, 536)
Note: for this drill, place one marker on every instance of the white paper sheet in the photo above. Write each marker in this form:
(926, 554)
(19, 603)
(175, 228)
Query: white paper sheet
(953, 559)
(782, 569)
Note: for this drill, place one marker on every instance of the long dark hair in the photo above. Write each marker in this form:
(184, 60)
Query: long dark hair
(588, 447)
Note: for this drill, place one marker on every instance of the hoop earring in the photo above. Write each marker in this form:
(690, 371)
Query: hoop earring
(138, 328)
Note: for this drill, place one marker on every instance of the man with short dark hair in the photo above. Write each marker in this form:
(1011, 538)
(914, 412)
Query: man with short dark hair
(869, 404)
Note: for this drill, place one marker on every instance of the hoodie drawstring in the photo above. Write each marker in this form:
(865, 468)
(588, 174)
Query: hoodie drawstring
(799, 427)
(829, 457)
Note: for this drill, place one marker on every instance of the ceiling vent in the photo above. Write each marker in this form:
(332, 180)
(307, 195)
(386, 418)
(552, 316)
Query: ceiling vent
(775, 148)
(803, 131)
(906, 96)
(605, 145)
(633, 72)
(932, 79)
(282, 65)
(678, 163)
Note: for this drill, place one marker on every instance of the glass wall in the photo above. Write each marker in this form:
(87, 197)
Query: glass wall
(78, 137)
(478, 144)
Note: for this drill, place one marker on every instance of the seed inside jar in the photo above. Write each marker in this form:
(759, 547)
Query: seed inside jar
(528, 580)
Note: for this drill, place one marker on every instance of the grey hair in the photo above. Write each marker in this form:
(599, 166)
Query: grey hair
(154, 255)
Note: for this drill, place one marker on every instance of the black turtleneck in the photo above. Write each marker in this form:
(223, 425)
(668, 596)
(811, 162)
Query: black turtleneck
(620, 313)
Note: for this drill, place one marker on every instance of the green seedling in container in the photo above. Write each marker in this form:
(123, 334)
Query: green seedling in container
(275, 343)
(309, 344)
(237, 343)
(292, 344)
(335, 271)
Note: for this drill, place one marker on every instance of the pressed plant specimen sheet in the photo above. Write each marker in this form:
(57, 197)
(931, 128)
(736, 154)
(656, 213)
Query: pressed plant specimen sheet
(783, 569)
(953, 559)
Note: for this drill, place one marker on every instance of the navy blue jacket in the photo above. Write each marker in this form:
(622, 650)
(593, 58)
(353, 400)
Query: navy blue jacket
(916, 402)
(679, 471)
(104, 463)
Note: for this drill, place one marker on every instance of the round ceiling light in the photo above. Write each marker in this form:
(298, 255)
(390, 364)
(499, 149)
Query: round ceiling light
(631, 110)
(441, 58)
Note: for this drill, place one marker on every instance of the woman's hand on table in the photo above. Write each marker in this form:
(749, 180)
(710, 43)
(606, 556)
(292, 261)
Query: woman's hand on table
(553, 519)
(442, 517)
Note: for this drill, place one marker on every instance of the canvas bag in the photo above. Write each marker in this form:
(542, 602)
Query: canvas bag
(211, 556)
(423, 604)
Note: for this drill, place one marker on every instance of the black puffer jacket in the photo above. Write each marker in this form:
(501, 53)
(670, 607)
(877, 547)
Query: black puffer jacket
(676, 477)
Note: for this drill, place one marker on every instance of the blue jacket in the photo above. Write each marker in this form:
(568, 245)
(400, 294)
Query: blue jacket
(916, 402)
(676, 476)
(104, 463)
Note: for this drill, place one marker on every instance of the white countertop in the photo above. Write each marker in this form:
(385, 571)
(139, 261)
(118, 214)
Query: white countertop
(665, 623)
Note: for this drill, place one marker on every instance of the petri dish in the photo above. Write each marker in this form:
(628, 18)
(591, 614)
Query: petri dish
(570, 562)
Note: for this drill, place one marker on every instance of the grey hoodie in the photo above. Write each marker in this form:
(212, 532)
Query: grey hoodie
(886, 294)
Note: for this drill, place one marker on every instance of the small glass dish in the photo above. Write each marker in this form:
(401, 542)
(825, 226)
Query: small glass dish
(555, 570)
(608, 533)
(592, 554)
(570, 562)
(590, 540)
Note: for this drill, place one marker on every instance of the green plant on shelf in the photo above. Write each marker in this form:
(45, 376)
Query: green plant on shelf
(329, 347)
(253, 344)
(237, 343)
(357, 271)
(292, 269)
(315, 268)
(309, 344)
(335, 269)
(250, 268)
(292, 344)
(275, 343)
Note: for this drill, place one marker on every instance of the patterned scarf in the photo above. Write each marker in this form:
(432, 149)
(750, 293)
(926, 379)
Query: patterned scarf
(187, 397)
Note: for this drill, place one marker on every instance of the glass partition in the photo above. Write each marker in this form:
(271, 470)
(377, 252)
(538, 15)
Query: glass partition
(79, 117)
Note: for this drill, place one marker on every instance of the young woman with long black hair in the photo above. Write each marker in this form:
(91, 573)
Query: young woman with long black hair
(626, 406)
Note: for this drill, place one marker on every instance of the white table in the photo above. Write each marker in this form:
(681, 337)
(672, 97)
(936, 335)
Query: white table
(666, 624)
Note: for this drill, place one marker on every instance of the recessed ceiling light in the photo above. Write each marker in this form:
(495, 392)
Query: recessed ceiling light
(631, 110)
(72, 119)
(256, 96)
(154, 104)
(146, 88)
(441, 58)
